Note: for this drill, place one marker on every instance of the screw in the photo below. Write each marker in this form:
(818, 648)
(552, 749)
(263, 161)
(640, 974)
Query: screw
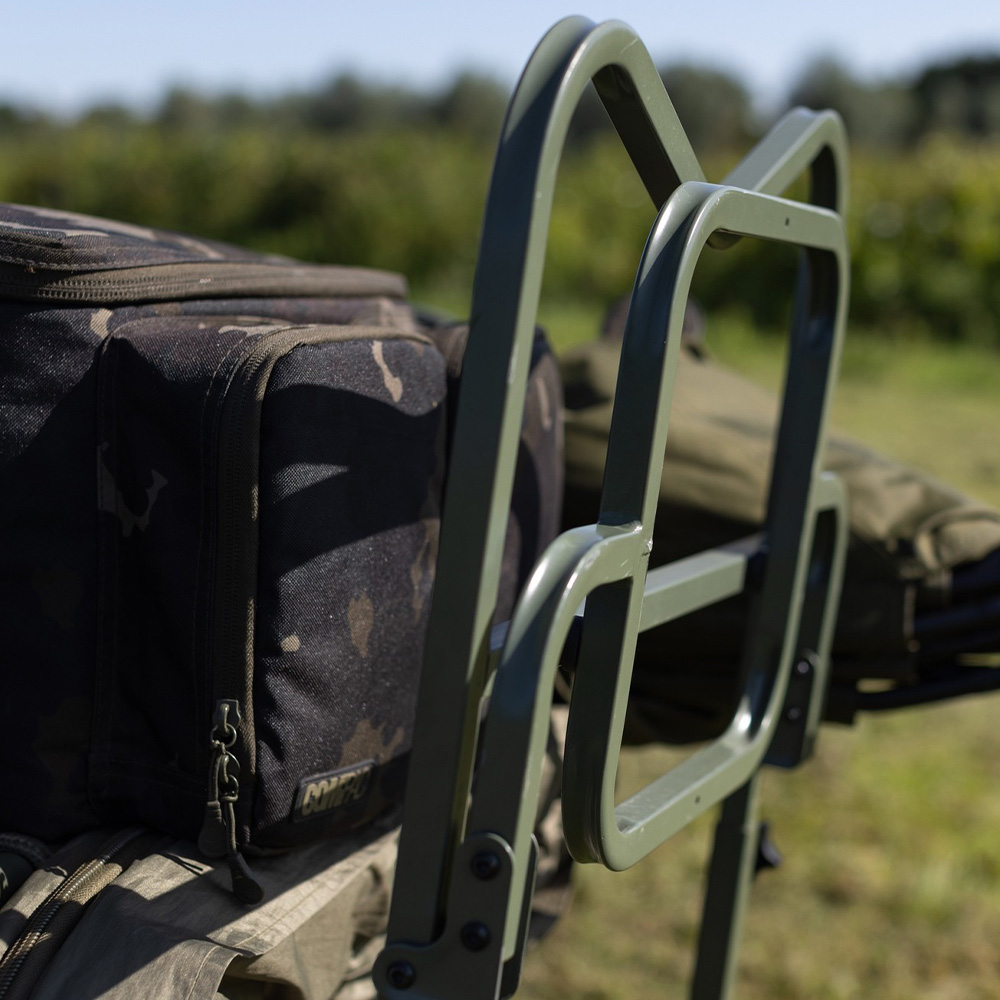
(401, 975)
(485, 865)
(793, 714)
(475, 936)
(802, 668)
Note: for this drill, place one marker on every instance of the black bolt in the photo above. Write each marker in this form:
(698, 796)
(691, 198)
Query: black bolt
(793, 714)
(475, 936)
(485, 865)
(401, 975)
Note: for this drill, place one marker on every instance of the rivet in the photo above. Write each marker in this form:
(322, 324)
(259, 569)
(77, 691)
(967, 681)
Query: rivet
(485, 865)
(401, 975)
(475, 936)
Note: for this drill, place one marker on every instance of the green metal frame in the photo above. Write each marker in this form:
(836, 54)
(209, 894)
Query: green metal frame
(466, 862)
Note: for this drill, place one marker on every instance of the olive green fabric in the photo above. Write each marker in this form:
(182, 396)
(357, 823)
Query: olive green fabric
(718, 458)
(169, 928)
(908, 532)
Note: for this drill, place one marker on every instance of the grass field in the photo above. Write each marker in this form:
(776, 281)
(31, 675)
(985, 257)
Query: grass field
(891, 881)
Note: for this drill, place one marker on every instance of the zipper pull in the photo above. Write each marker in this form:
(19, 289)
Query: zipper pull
(246, 888)
(217, 838)
(212, 840)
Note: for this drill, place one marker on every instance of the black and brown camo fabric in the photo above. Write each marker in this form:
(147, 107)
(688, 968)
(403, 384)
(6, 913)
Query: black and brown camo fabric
(221, 482)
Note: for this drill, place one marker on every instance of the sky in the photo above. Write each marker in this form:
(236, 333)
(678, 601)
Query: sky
(63, 55)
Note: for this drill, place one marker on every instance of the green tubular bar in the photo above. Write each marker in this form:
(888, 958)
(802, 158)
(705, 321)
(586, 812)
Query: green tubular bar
(595, 829)
(504, 306)
(437, 897)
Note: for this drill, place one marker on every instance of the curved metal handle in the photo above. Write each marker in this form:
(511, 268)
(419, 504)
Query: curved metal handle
(494, 378)
(800, 139)
(608, 559)
(610, 579)
(595, 829)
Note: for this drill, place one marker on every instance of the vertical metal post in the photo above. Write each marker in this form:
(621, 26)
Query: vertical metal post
(734, 861)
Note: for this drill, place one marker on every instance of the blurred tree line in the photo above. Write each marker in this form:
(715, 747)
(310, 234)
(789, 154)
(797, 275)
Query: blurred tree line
(364, 173)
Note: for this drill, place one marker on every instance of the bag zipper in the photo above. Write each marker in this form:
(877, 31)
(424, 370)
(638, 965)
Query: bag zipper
(195, 280)
(218, 832)
(232, 745)
(77, 890)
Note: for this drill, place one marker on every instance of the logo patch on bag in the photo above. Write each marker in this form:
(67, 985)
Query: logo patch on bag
(322, 793)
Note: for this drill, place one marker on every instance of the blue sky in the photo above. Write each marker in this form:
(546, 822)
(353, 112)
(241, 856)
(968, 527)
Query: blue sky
(65, 54)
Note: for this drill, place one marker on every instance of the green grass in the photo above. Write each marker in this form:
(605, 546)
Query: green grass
(891, 884)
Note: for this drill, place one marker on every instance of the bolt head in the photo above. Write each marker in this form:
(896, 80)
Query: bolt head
(475, 936)
(401, 975)
(485, 865)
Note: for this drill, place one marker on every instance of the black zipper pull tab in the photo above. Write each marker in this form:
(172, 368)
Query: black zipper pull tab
(218, 831)
(213, 841)
(246, 888)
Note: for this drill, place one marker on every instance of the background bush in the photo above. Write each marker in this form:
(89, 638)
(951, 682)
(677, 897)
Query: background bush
(379, 176)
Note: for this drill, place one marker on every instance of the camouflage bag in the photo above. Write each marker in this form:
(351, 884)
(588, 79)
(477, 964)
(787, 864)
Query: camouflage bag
(154, 911)
(221, 496)
(922, 581)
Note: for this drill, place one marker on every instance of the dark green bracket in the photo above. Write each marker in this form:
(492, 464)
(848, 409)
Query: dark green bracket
(466, 861)
(737, 833)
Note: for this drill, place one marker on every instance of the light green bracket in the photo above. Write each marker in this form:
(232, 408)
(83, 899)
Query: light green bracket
(466, 862)
(595, 829)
